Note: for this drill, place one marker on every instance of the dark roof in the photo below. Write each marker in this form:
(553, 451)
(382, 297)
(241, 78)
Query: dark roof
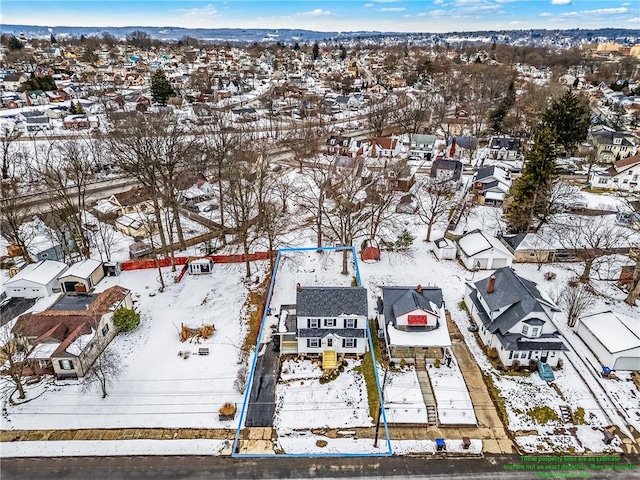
(505, 142)
(340, 332)
(514, 240)
(520, 296)
(484, 172)
(401, 300)
(74, 302)
(331, 301)
(551, 341)
(446, 164)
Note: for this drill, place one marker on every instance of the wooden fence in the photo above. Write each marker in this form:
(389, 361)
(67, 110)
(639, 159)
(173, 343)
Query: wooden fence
(179, 261)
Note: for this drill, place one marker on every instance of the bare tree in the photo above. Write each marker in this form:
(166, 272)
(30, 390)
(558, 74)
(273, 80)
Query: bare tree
(575, 299)
(13, 215)
(560, 197)
(344, 210)
(104, 371)
(413, 114)
(435, 201)
(9, 133)
(312, 194)
(379, 115)
(66, 168)
(13, 355)
(634, 288)
(104, 235)
(591, 238)
(302, 140)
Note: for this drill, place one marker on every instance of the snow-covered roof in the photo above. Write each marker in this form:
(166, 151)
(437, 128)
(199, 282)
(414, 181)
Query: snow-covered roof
(433, 338)
(40, 273)
(79, 344)
(83, 269)
(477, 242)
(44, 350)
(616, 332)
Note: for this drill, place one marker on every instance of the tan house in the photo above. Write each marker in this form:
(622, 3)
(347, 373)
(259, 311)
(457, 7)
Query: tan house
(82, 276)
(66, 339)
(137, 224)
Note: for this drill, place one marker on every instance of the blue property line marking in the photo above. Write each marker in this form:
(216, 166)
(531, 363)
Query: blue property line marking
(255, 361)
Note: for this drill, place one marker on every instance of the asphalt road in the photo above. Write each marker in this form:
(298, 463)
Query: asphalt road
(213, 468)
(261, 406)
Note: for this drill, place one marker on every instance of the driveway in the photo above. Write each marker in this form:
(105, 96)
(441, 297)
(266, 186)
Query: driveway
(261, 406)
(14, 307)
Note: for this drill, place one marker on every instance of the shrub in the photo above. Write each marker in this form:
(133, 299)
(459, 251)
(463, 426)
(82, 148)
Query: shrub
(354, 281)
(345, 363)
(492, 353)
(126, 319)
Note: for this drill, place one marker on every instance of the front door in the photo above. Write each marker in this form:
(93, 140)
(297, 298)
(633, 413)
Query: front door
(544, 356)
(329, 342)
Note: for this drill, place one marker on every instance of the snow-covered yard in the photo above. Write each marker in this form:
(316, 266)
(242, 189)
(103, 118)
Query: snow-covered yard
(302, 402)
(402, 397)
(452, 395)
(157, 388)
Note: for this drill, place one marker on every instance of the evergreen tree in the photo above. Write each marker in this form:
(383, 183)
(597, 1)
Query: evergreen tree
(343, 52)
(296, 47)
(568, 116)
(53, 40)
(315, 50)
(160, 88)
(15, 44)
(529, 196)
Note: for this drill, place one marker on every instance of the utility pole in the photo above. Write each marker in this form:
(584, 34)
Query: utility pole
(384, 382)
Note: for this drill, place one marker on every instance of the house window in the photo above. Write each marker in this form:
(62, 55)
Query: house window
(525, 330)
(602, 180)
(65, 364)
(510, 355)
(626, 180)
(349, 342)
(313, 342)
(350, 323)
(43, 363)
(313, 323)
(329, 342)
(529, 355)
(329, 322)
(105, 329)
(534, 331)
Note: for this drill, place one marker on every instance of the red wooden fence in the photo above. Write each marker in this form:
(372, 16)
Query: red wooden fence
(166, 262)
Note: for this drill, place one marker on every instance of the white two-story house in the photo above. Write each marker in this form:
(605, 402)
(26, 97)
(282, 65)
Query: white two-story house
(623, 175)
(514, 318)
(326, 322)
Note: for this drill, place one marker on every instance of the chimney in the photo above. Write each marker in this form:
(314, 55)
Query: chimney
(298, 287)
(491, 286)
(419, 289)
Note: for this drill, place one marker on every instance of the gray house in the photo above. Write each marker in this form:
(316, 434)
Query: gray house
(326, 322)
(514, 318)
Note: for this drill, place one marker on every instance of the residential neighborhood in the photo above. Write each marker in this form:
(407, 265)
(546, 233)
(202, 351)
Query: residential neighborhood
(349, 246)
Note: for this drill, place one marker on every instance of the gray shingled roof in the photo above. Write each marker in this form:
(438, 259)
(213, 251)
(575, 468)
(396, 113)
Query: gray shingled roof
(521, 296)
(513, 342)
(331, 301)
(339, 332)
(397, 301)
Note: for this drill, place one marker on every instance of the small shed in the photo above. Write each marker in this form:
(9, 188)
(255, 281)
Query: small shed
(82, 276)
(200, 266)
(36, 280)
(139, 250)
(444, 249)
(480, 251)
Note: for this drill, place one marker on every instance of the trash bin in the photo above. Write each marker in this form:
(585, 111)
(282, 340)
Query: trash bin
(440, 445)
(466, 443)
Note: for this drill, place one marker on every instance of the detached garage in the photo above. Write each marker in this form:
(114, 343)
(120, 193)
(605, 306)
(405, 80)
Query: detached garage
(82, 276)
(613, 337)
(36, 280)
(480, 251)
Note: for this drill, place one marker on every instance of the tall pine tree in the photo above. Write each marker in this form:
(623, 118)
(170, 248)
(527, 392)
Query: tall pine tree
(569, 117)
(160, 88)
(529, 194)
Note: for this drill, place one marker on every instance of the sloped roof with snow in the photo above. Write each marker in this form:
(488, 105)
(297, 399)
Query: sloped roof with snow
(615, 331)
(476, 242)
(40, 273)
(83, 269)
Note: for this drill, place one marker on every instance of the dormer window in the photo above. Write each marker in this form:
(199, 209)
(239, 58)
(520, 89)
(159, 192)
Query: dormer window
(531, 331)
(617, 141)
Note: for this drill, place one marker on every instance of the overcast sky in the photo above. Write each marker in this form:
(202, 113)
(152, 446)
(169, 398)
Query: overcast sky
(337, 15)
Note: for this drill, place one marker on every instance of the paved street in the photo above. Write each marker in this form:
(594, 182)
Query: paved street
(508, 467)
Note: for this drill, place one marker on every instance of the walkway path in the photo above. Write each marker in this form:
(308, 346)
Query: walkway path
(490, 426)
(427, 392)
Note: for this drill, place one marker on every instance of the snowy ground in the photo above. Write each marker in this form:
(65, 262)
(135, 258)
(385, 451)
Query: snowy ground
(157, 388)
(303, 402)
(402, 397)
(452, 395)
